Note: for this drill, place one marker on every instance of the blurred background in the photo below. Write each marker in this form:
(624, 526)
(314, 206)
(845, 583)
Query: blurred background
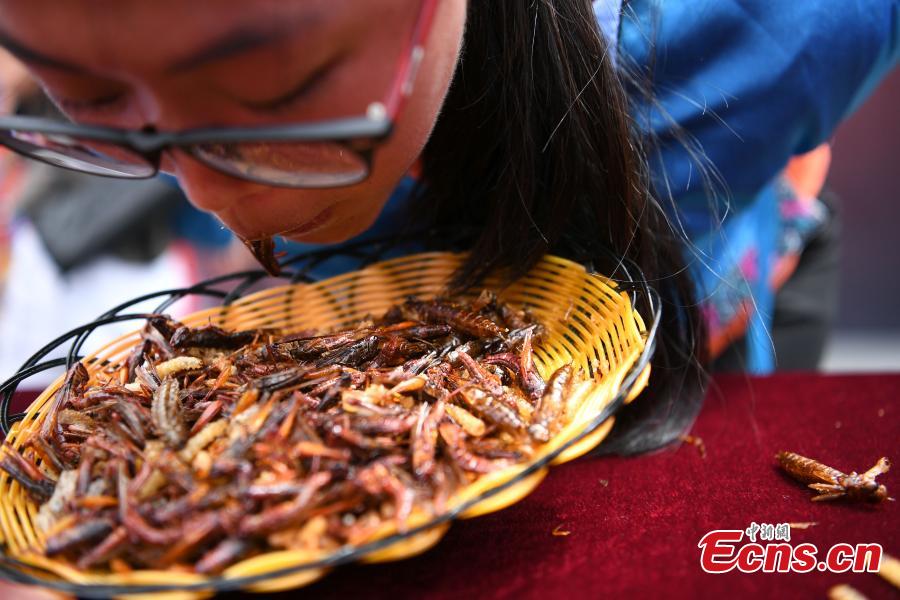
(72, 246)
(865, 171)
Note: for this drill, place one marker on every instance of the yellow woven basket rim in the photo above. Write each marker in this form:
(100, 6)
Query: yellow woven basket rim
(588, 321)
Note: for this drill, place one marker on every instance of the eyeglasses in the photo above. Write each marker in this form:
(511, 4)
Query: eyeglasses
(321, 154)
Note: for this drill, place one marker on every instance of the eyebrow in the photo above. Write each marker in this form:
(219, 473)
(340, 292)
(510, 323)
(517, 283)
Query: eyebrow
(237, 42)
(28, 55)
(231, 44)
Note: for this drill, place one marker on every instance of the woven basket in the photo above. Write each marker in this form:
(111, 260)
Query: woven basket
(588, 322)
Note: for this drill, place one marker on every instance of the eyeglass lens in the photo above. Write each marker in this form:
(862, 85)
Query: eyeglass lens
(310, 164)
(89, 156)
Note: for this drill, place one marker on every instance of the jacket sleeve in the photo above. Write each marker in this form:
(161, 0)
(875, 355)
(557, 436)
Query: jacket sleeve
(754, 82)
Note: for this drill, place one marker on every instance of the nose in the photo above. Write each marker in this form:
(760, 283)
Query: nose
(172, 104)
(206, 188)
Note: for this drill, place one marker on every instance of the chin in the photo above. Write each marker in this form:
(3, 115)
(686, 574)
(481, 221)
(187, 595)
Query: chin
(333, 233)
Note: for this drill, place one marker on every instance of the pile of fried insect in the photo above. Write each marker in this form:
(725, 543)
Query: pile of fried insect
(207, 447)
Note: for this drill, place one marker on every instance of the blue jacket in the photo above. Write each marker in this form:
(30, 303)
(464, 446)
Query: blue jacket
(750, 83)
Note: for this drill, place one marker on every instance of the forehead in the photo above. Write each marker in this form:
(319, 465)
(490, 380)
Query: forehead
(148, 33)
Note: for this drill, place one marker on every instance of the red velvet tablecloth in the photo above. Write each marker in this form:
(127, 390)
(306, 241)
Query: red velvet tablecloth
(634, 523)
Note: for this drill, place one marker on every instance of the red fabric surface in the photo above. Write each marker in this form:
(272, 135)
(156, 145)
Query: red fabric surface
(22, 400)
(634, 523)
(637, 534)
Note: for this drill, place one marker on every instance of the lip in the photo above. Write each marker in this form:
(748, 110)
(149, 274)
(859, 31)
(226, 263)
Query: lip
(309, 226)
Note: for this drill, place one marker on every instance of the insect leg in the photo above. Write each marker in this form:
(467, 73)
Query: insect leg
(822, 497)
(882, 466)
(824, 488)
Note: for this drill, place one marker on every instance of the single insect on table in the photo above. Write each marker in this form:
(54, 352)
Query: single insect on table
(832, 484)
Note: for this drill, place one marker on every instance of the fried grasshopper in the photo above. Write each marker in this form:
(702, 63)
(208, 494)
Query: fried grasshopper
(832, 484)
(206, 446)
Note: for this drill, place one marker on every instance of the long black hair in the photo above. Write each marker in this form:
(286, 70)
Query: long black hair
(536, 150)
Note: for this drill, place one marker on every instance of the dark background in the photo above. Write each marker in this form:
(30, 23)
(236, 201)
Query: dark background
(865, 173)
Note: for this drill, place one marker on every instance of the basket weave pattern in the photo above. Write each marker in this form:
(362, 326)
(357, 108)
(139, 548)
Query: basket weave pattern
(587, 321)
